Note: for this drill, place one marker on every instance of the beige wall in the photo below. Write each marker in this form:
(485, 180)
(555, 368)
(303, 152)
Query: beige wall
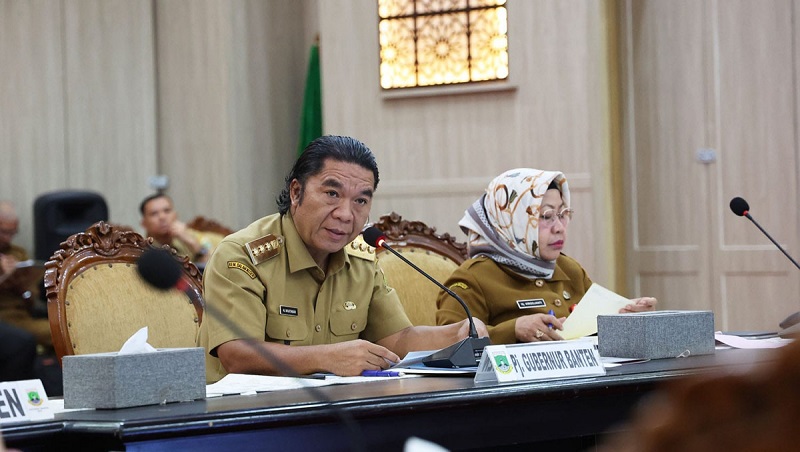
(437, 153)
(718, 75)
(231, 76)
(102, 94)
(78, 103)
(208, 93)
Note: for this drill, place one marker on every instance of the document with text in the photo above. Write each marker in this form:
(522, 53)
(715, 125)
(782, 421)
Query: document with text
(597, 301)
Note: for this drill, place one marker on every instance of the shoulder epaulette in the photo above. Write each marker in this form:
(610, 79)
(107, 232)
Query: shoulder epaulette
(359, 248)
(264, 248)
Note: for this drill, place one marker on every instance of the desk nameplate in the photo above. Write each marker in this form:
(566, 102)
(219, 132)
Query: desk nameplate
(23, 400)
(539, 361)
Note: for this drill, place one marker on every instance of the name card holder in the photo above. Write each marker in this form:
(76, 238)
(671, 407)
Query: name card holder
(539, 361)
(23, 400)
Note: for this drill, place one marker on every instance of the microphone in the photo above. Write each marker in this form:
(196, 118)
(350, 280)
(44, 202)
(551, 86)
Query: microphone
(740, 207)
(790, 326)
(159, 269)
(465, 353)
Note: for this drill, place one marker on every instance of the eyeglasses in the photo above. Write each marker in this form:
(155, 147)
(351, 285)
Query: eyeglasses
(548, 217)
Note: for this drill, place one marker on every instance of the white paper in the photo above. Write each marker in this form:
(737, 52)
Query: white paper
(336, 379)
(414, 444)
(250, 384)
(412, 364)
(137, 343)
(597, 301)
(741, 342)
(413, 358)
(27, 263)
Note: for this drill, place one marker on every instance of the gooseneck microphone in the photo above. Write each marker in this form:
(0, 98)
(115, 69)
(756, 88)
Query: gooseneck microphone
(740, 207)
(160, 270)
(465, 353)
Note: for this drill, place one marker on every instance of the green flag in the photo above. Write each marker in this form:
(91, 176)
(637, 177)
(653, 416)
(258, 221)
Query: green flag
(311, 119)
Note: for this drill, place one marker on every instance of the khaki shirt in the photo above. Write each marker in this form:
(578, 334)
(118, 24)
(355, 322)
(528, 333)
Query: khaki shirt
(182, 248)
(12, 296)
(281, 295)
(498, 296)
(14, 310)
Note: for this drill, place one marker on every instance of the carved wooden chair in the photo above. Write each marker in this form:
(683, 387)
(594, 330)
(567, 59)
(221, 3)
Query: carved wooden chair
(96, 299)
(203, 224)
(439, 255)
(209, 232)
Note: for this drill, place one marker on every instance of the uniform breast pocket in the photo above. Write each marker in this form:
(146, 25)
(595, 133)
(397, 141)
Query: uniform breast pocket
(286, 328)
(348, 324)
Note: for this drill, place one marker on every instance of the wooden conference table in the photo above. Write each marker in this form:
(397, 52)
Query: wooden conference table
(453, 412)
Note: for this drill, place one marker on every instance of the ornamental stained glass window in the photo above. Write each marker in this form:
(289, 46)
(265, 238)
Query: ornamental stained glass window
(442, 42)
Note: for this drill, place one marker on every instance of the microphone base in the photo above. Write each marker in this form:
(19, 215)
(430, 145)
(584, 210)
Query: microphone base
(465, 353)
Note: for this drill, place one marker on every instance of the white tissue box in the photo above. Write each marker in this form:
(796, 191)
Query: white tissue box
(111, 380)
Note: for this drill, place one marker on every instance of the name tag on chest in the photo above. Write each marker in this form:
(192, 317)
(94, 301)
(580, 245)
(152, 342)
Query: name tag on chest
(530, 304)
(288, 310)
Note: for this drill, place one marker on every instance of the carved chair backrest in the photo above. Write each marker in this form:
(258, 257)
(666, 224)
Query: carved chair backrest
(438, 254)
(96, 299)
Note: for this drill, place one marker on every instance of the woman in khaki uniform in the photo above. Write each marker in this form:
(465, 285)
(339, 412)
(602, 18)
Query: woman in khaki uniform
(517, 281)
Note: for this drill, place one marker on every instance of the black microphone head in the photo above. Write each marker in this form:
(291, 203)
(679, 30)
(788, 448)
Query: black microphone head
(372, 235)
(739, 206)
(159, 269)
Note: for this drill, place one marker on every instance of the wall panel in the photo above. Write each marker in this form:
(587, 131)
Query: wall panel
(717, 75)
(455, 144)
(102, 95)
(31, 105)
(759, 155)
(109, 92)
(230, 90)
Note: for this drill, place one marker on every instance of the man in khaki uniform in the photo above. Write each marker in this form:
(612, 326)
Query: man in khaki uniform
(15, 299)
(297, 278)
(160, 221)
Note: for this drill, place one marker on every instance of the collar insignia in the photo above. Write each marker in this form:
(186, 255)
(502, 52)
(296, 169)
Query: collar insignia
(264, 248)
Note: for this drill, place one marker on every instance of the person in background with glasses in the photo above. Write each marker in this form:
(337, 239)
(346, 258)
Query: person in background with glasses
(516, 280)
(15, 297)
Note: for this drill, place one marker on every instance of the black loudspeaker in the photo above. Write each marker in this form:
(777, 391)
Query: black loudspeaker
(59, 214)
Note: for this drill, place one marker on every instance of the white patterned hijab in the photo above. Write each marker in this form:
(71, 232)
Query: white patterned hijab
(503, 224)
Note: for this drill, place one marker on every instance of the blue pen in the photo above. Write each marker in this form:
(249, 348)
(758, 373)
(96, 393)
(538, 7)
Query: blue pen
(381, 373)
(551, 312)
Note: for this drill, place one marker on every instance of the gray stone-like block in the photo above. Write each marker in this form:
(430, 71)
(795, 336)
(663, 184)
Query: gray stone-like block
(658, 334)
(109, 380)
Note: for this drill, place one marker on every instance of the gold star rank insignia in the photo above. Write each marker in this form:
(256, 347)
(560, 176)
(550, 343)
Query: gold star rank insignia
(264, 248)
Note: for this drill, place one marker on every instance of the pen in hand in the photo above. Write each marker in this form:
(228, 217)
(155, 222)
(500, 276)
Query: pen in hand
(551, 312)
(381, 373)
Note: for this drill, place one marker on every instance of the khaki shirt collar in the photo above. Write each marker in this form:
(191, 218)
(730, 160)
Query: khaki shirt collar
(559, 274)
(297, 252)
